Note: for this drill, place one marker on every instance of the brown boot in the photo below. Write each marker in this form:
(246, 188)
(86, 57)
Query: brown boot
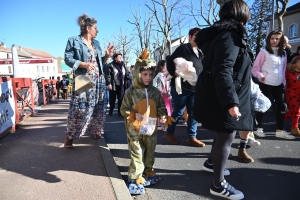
(295, 132)
(244, 156)
(68, 143)
(171, 138)
(195, 142)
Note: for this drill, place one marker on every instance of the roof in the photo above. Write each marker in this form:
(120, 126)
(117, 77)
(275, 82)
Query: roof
(293, 9)
(4, 49)
(27, 52)
(38, 53)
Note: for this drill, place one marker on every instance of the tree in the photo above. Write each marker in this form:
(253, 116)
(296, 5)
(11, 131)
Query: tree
(280, 12)
(123, 44)
(143, 29)
(207, 11)
(257, 25)
(163, 12)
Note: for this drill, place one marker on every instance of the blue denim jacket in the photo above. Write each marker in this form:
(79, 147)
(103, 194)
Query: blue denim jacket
(76, 52)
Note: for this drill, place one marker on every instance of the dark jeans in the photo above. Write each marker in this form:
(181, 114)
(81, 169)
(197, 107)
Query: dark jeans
(112, 99)
(186, 99)
(278, 93)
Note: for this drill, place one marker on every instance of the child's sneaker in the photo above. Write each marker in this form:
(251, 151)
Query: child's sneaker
(226, 191)
(135, 188)
(259, 132)
(209, 168)
(285, 135)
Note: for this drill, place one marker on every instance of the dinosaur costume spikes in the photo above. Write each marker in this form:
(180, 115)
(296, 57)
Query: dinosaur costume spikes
(144, 60)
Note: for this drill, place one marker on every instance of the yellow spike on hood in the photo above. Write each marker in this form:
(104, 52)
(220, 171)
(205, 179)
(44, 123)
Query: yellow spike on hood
(144, 61)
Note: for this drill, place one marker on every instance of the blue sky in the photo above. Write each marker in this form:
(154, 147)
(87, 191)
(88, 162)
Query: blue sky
(47, 24)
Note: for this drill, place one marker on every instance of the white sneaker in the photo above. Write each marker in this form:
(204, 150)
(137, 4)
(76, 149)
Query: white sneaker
(226, 191)
(259, 132)
(285, 135)
(253, 142)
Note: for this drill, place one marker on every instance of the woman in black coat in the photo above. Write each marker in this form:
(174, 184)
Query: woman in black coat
(116, 77)
(223, 88)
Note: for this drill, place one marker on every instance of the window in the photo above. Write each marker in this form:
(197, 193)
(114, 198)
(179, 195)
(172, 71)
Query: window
(293, 30)
(47, 69)
(42, 68)
(37, 68)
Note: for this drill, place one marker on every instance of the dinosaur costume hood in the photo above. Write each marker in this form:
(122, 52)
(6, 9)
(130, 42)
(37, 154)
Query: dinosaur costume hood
(145, 62)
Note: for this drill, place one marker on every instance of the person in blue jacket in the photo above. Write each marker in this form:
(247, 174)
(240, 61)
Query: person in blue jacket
(83, 55)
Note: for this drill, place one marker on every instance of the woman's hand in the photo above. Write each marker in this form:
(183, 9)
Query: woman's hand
(235, 112)
(90, 66)
(262, 80)
(109, 87)
(109, 50)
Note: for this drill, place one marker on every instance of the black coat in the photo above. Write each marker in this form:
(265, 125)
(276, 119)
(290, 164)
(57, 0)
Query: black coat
(109, 75)
(185, 51)
(225, 80)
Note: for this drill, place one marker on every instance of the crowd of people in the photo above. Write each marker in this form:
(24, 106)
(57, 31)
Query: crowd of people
(233, 89)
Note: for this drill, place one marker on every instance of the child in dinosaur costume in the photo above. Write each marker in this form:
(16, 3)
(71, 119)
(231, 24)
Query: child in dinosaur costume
(141, 106)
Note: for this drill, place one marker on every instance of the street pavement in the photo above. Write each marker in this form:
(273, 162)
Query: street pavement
(275, 174)
(34, 165)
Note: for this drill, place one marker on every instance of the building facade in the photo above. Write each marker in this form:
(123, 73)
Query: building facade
(32, 63)
(291, 23)
(158, 55)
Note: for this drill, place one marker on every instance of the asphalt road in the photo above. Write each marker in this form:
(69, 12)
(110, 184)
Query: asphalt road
(275, 174)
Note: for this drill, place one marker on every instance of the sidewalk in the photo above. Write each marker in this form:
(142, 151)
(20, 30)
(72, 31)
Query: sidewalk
(34, 164)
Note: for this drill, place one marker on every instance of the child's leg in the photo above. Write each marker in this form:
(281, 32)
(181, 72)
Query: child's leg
(150, 144)
(136, 149)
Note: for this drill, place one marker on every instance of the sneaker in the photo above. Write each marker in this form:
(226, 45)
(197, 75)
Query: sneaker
(210, 168)
(285, 135)
(226, 191)
(253, 142)
(259, 132)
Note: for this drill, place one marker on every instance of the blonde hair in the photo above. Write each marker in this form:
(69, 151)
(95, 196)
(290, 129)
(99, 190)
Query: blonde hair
(290, 67)
(286, 42)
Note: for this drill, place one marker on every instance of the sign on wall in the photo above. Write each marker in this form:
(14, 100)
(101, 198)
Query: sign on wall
(7, 106)
(65, 67)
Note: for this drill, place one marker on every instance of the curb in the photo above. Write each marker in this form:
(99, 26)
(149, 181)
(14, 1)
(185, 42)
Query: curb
(117, 182)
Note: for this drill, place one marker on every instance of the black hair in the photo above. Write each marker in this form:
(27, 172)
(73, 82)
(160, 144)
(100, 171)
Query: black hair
(235, 9)
(158, 67)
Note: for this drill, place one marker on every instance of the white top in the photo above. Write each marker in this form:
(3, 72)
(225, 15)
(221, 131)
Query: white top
(116, 76)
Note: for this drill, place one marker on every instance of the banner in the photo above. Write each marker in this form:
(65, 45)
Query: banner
(7, 106)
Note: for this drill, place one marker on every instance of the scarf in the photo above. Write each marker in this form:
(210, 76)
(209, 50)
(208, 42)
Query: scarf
(119, 67)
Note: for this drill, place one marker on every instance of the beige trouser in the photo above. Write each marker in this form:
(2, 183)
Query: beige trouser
(141, 150)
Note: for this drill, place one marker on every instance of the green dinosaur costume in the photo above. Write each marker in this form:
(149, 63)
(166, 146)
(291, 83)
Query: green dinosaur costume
(147, 101)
